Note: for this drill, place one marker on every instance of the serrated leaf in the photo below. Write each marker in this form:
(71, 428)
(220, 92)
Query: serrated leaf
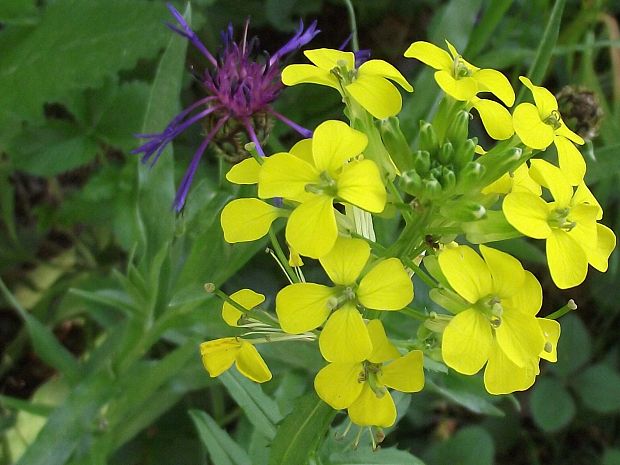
(390, 456)
(75, 46)
(261, 410)
(599, 388)
(52, 149)
(552, 406)
(222, 449)
(301, 432)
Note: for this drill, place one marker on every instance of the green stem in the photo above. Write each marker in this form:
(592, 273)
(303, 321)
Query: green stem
(415, 313)
(373, 245)
(421, 273)
(280, 254)
(13, 301)
(353, 24)
(569, 307)
(394, 191)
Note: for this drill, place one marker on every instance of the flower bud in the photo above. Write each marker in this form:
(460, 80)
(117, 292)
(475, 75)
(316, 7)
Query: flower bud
(470, 176)
(396, 143)
(428, 137)
(445, 153)
(411, 183)
(498, 163)
(431, 187)
(447, 180)
(460, 210)
(464, 153)
(422, 162)
(458, 128)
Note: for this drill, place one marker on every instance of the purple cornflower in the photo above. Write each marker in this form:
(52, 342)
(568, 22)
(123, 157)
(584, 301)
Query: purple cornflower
(239, 90)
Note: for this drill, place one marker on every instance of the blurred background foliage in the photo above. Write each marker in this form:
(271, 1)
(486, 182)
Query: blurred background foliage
(103, 306)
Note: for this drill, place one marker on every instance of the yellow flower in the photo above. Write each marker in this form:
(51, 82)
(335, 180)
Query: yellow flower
(246, 220)
(499, 328)
(303, 307)
(369, 85)
(316, 173)
(361, 387)
(219, 355)
(517, 181)
(463, 81)
(569, 225)
(540, 125)
(247, 298)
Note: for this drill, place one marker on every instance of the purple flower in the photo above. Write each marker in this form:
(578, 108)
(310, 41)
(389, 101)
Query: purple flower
(240, 86)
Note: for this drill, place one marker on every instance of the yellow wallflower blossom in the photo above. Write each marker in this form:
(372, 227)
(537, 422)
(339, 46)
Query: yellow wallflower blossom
(369, 85)
(303, 307)
(569, 225)
(540, 125)
(361, 387)
(463, 81)
(219, 355)
(517, 181)
(499, 328)
(247, 298)
(318, 172)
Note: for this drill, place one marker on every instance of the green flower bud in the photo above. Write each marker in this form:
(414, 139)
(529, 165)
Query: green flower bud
(396, 143)
(497, 164)
(446, 153)
(464, 153)
(411, 183)
(494, 227)
(422, 162)
(459, 126)
(460, 210)
(447, 180)
(470, 176)
(432, 188)
(428, 137)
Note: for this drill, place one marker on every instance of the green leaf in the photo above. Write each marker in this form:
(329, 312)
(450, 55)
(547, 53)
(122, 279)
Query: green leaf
(599, 388)
(365, 456)
(485, 28)
(552, 406)
(156, 184)
(301, 432)
(18, 12)
(574, 346)
(611, 457)
(261, 410)
(25, 405)
(52, 149)
(472, 445)
(547, 43)
(467, 391)
(222, 449)
(75, 46)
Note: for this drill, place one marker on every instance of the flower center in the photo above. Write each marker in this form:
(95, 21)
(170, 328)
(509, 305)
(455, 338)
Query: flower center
(554, 120)
(369, 374)
(326, 186)
(460, 69)
(558, 218)
(491, 307)
(344, 74)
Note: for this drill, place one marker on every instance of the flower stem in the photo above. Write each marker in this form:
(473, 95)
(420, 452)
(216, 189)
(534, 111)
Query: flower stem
(415, 313)
(283, 260)
(211, 289)
(421, 273)
(353, 24)
(569, 307)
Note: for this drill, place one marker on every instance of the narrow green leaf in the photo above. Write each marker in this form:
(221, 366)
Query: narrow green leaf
(365, 456)
(261, 410)
(222, 449)
(547, 43)
(25, 405)
(484, 30)
(301, 432)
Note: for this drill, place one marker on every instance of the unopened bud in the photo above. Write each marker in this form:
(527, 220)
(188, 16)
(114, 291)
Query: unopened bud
(411, 183)
(447, 179)
(396, 144)
(431, 187)
(464, 153)
(460, 210)
(428, 137)
(458, 128)
(422, 162)
(470, 176)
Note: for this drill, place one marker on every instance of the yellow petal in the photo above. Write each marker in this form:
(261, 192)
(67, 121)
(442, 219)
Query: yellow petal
(528, 299)
(506, 271)
(430, 55)
(344, 263)
(466, 342)
(495, 118)
(385, 69)
(584, 231)
(570, 135)
(327, 58)
(338, 384)
(502, 376)
(605, 244)
(406, 373)
(294, 259)
(463, 89)
(246, 220)
(551, 330)
(310, 74)
(550, 176)
(530, 128)
(568, 263)
(344, 337)
(490, 80)
(370, 410)
(251, 365)
(247, 298)
(311, 228)
(503, 185)
(218, 355)
(386, 286)
(584, 196)
(382, 349)
(335, 142)
(303, 306)
(466, 272)
(285, 175)
(571, 161)
(520, 337)
(545, 101)
(360, 184)
(244, 172)
(303, 150)
(528, 214)
(522, 181)
(376, 94)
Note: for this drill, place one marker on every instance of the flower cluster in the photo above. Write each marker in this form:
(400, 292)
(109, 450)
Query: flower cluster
(436, 185)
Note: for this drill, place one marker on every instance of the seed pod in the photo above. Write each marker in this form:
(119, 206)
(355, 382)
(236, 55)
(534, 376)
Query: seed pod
(428, 137)
(396, 143)
(458, 128)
